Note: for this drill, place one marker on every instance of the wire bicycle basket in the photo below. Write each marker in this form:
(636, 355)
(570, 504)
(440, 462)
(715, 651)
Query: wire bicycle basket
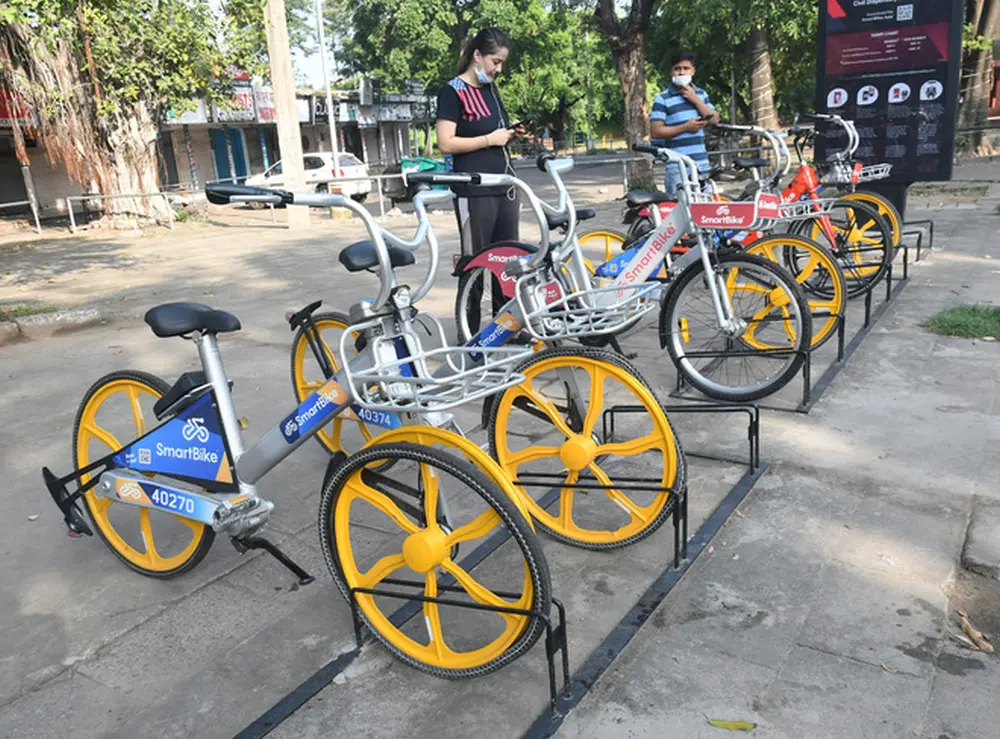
(806, 210)
(875, 172)
(408, 378)
(553, 315)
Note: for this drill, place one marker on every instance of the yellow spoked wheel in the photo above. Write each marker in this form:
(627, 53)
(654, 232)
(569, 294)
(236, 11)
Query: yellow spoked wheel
(552, 436)
(116, 410)
(605, 241)
(346, 433)
(861, 242)
(816, 271)
(406, 533)
(885, 208)
(756, 355)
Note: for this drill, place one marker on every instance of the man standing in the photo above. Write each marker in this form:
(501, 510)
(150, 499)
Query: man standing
(680, 114)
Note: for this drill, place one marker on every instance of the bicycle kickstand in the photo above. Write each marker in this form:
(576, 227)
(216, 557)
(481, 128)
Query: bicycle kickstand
(243, 544)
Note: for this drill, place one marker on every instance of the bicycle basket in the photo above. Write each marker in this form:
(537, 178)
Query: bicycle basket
(842, 173)
(805, 210)
(758, 214)
(590, 312)
(408, 378)
(874, 172)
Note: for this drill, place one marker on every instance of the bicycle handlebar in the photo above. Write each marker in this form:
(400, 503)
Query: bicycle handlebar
(690, 182)
(224, 194)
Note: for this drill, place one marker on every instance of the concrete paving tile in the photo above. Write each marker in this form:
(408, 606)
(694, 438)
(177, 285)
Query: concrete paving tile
(69, 705)
(877, 619)
(173, 645)
(818, 694)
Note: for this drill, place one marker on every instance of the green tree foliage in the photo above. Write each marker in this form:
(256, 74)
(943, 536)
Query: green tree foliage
(717, 31)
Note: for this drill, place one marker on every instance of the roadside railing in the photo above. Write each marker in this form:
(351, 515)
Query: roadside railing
(83, 198)
(21, 204)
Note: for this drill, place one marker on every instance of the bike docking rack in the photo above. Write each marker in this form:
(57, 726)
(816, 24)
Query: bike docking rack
(686, 552)
(811, 393)
(555, 635)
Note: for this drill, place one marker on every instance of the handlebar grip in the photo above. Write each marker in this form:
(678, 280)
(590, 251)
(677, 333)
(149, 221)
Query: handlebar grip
(544, 156)
(646, 149)
(732, 127)
(222, 193)
(819, 116)
(444, 178)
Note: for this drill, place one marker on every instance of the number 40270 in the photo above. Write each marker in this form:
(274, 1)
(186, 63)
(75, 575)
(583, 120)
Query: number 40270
(173, 501)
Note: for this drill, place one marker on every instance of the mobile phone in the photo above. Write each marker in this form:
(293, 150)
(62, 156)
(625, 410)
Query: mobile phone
(524, 123)
(704, 117)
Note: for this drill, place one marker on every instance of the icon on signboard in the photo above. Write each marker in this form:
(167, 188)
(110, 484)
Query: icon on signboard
(867, 95)
(899, 93)
(837, 98)
(931, 90)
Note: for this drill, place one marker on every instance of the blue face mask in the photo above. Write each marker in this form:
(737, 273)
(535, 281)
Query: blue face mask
(484, 79)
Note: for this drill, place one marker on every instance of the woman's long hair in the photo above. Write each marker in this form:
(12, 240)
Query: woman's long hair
(486, 42)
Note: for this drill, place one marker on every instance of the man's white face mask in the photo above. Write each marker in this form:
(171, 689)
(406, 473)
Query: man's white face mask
(682, 80)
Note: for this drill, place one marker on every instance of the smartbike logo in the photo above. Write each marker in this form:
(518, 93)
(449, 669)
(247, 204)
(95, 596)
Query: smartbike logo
(305, 417)
(650, 255)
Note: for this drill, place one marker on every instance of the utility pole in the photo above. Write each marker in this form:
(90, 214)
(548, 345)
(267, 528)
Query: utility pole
(283, 82)
(590, 96)
(331, 115)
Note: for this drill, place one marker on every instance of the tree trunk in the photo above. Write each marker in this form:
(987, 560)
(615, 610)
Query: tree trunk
(108, 156)
(977, 75)
(762, 111)
(630, 62)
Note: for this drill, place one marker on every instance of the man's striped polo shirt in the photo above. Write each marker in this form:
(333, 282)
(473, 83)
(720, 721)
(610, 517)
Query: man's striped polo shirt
(671, 108)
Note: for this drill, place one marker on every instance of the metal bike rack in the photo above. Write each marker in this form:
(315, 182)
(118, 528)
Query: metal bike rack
(811, 394)
(555, 636)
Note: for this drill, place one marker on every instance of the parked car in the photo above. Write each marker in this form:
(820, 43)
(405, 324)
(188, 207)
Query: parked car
(320, 173)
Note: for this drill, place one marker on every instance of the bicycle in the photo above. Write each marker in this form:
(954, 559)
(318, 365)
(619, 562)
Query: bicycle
(772, 330)
(543, 429)
(857, 236)
(159, 500)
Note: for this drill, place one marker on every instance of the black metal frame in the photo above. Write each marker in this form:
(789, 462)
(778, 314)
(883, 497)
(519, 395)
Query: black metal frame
(555, 637)
(811, 394)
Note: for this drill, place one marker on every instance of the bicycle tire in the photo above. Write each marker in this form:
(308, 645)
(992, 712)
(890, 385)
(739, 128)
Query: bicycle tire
(332, 531)
(674, 326)
(570, 533)
(159, 567)
(885, 208)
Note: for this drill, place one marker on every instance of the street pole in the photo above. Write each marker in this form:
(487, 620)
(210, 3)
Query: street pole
(590, 96)
(331, 115)
(286, 112)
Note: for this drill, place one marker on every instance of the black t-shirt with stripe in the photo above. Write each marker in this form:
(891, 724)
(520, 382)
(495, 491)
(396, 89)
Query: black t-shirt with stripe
(476, 111)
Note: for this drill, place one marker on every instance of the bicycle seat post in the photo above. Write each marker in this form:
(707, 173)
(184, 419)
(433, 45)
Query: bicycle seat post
(215, 373)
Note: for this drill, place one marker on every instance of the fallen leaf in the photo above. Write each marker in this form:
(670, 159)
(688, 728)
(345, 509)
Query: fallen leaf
(732, 725)
(711, 549)
(981, 641)
(964, 641)
(941, 382)
(888, 669)
(33, 517)
(736, 556)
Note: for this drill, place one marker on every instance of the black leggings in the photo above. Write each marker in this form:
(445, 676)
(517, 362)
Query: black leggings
(486, 220)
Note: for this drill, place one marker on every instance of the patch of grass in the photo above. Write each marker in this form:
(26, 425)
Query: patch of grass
(12, 312)
(966, 321)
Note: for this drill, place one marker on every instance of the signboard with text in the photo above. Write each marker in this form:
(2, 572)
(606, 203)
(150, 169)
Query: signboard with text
(892, 67)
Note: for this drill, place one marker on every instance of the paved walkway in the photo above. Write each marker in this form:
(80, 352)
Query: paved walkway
(822, 611)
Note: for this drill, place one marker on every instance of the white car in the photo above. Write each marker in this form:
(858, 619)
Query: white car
(321, 175)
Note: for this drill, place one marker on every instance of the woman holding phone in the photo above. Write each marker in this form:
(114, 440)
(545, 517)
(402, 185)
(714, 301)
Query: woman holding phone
(473, 126)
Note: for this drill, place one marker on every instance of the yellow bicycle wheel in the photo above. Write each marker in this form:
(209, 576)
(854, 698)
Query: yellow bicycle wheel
(346, 433)
(885, 209)
(403, 533)
(553, 431)
(605, 240)
(817, 271)
(114, 411)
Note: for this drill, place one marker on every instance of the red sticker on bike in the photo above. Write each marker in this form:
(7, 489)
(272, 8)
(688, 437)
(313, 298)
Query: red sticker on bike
(723, 215)
(552, 293)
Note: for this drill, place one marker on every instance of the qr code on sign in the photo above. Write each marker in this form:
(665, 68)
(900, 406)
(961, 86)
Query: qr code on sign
(904, 12)
(145, 457)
